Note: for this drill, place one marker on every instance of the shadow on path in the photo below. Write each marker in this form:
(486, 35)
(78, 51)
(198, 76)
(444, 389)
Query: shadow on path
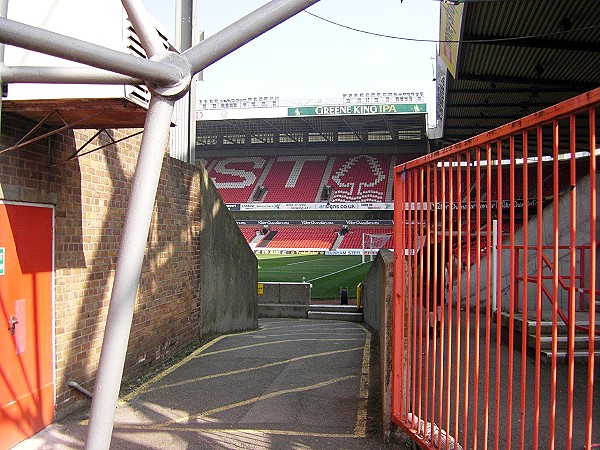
(291, 384)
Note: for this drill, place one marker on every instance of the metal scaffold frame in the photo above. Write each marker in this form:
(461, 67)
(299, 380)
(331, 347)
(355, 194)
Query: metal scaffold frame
(168, 75)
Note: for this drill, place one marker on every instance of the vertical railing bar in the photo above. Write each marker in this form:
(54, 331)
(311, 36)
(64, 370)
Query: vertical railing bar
(441, 264)
(397, 350)
(498, 299)
(415, 279)
(408, 289)
(402, 305)
(592, 311)
(581, 277)
(458, 294)
(488, 295)
(427, 255)
(572, 268)
(582, 272)
(555, 262)
(525, 307)
(511, 317)
(477, 296)
(467, 307)
(421, 290)
(449, 281)
(538, 295)
(434, 230)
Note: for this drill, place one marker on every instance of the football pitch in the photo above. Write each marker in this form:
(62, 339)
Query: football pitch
(327, 274)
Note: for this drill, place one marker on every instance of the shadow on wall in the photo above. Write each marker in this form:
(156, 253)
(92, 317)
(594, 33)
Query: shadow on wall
(198, 277)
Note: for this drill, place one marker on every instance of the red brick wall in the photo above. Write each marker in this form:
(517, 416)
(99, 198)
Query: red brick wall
(90, 195)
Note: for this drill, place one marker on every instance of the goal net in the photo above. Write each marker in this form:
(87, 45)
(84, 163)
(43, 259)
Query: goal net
(372, 243)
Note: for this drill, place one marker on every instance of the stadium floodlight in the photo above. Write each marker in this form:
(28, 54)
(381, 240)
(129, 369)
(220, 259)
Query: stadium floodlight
(168, 75)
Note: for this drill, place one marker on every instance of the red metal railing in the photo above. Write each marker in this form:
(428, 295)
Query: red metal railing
(481, 360)
(547, 269)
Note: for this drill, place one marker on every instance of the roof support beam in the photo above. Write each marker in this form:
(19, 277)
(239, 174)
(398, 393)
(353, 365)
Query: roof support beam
(281, 132)
(508, 41)
(353, 130)
(586, 86)
(495, 106)
(322, 133)
(244, 131)
(510, 90)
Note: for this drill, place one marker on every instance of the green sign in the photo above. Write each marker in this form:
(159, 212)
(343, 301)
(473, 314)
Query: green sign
(352, 110)
(1, 260)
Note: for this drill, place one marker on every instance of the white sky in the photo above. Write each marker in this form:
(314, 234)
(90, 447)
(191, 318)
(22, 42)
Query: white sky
(307, 58)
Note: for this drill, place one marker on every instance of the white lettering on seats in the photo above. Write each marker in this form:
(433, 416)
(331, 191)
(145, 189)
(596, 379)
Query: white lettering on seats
(246, 177)
(344, 179)
(298, 166)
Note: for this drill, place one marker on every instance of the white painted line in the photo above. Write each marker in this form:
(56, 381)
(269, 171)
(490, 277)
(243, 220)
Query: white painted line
(338, 271)
(303, 262)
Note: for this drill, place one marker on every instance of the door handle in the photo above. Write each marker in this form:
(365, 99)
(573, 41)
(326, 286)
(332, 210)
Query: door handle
(13, 323)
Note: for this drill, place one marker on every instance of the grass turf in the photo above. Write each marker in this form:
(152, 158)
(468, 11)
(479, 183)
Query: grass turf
(327, 274)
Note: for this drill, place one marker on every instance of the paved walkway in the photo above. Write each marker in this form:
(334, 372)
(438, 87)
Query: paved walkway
(292, 384)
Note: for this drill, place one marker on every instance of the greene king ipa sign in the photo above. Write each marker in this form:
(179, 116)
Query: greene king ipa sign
(353, 110)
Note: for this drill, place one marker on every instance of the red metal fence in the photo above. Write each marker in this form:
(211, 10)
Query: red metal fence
(495, 332)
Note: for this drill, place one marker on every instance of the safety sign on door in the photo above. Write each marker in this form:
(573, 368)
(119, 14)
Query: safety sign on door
(1, 260)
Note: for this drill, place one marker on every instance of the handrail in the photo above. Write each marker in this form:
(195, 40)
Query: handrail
(561, 282)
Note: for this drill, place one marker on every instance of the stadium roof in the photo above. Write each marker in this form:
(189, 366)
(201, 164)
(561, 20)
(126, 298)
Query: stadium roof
(396, 127)
(517, 57)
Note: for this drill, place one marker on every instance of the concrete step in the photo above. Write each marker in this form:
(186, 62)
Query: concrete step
(349, 313)
(335, 308)
(340, 315)
(579, 356)
(562, 342)
(545, 326)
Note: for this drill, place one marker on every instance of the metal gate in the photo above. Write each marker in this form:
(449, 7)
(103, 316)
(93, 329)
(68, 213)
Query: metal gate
(495, 332)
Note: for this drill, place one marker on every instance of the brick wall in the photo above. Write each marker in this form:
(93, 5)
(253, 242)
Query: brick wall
(90, 194)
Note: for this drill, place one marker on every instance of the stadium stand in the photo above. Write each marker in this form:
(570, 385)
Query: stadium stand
(294, 179)
(353, 239)
(360, 178)
(301, 178)
(304, 237)
(249, 232)
(236, 177)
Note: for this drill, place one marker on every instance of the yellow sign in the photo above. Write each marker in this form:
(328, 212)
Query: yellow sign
(450, 25)
(261, 289)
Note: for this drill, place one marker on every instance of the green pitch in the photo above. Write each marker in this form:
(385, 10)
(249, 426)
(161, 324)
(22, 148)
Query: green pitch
(327, 274)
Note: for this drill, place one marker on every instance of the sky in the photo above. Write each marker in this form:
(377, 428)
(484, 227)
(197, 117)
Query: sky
(307, 58)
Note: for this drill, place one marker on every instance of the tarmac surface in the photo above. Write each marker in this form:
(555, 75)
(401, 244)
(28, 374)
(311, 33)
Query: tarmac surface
(291, 384)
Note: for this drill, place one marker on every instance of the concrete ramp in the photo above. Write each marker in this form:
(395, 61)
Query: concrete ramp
(293, 383)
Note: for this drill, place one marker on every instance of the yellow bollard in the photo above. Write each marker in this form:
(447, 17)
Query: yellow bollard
(359, 288)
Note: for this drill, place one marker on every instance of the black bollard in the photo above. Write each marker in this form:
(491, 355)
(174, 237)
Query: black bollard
(343, 296)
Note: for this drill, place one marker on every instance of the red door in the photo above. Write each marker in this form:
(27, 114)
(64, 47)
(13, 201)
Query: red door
(26, 377)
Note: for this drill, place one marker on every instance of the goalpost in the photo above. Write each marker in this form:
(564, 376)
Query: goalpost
(372, 243)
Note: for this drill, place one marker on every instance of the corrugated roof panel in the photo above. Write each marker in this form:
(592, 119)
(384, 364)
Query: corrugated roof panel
(504, 81)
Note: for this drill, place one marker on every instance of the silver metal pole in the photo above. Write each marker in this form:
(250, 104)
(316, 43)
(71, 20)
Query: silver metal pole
(3, 14)
(127, 275)
(243, 31)
(183, 136)
(184, 14)
(39, 40)
(143, 26)
(65, 75)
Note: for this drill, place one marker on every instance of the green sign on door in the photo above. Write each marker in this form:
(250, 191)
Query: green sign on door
(1, 260)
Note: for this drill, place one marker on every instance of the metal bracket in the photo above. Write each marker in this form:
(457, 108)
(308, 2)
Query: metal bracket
(77, 153)
(26, 140)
